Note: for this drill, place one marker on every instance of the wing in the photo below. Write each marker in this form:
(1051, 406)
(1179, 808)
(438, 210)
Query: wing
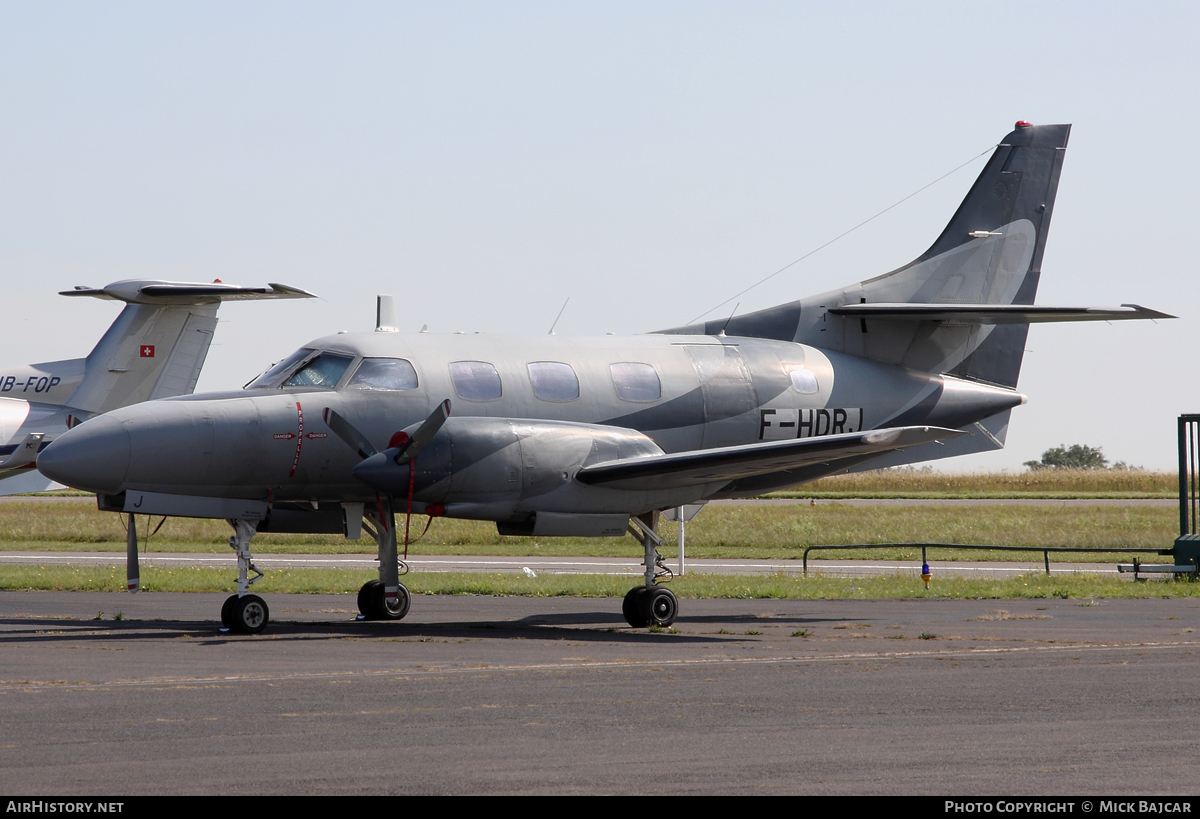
(994, 313)
(729, 463)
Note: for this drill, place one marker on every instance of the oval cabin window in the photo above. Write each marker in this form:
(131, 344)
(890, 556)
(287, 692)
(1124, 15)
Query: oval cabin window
(476, 380)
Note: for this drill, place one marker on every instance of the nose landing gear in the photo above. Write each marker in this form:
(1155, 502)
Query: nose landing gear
(244, 613)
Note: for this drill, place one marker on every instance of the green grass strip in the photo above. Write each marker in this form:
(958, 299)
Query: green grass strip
(815, 587)
(776, 532)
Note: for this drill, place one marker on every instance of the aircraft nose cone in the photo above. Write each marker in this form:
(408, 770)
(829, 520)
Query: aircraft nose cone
(93, 456)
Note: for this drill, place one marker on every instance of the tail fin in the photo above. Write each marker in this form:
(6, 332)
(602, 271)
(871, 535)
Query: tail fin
(990, 253)
(158, 343)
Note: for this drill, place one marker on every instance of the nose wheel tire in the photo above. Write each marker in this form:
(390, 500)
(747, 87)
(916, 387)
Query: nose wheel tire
(632, 609)
(365, 597)
(659, 606)
(650, 606)
(373, 603)
(227, 611)
(248, 615)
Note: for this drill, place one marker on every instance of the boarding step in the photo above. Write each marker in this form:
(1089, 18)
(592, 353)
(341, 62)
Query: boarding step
(1139, 568)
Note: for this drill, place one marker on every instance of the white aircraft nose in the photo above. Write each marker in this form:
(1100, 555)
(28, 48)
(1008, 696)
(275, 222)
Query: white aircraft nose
(93, 456)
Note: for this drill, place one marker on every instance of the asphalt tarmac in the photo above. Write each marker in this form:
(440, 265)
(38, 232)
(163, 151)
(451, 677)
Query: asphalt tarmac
(489, 695)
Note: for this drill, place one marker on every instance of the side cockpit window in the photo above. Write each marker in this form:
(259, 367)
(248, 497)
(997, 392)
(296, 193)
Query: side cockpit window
(635, 381)
(476, 380)
(383, 374)
(326, 370)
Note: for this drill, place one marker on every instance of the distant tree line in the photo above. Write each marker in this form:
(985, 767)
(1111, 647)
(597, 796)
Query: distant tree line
(1076, 456)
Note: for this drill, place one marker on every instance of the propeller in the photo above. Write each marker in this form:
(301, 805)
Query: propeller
(407, 446)
(421, 438)
(133, 579)
(348, 433)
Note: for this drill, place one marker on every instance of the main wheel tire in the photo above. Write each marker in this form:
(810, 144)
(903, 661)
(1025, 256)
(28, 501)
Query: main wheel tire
(366, 597)
(384, 609)
(632, 608)
(227, 611)
(659, 606)
(250, 615)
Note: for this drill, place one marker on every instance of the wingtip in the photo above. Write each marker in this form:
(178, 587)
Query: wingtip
(1146, 312)
(287, 291)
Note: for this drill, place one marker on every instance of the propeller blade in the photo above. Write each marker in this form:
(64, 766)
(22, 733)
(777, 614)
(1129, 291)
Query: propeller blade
(424, 434)
(133, 580)
(346, 431)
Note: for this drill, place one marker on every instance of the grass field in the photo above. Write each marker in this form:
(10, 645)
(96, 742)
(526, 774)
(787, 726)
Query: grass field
(1082, 586)
(755, 531)
(760, 531)
(1045, 483)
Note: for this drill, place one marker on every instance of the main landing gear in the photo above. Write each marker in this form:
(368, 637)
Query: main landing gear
(385, 598)
(244, 613)
(650, 604)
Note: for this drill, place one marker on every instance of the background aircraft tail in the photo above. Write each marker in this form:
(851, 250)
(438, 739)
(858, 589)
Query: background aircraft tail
(157, 345)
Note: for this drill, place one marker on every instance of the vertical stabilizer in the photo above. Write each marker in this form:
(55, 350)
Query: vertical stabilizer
(989, 253)
(148, 352)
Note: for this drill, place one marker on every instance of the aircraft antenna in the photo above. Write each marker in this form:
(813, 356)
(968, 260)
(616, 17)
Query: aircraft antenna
(556, 318)
(840, 235)
(731, 314)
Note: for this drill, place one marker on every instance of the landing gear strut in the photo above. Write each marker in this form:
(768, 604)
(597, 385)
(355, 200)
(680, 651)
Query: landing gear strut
(650, 604)
(385, 598)
(244, 613)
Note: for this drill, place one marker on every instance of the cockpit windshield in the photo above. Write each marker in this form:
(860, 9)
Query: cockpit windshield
(305, 368)
(325, 370)
(273, 376)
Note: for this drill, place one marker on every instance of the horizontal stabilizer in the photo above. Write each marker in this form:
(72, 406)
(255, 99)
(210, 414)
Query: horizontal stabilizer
(994, 313)
(153, 291)
(731, 463)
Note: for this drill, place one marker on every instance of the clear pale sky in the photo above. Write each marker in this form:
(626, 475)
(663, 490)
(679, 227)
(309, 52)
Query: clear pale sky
(483, 162)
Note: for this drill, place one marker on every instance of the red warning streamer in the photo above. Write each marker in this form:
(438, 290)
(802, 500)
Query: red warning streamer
(299, 438)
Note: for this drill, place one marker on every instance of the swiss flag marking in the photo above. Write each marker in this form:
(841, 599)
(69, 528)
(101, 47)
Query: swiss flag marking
(147, 351)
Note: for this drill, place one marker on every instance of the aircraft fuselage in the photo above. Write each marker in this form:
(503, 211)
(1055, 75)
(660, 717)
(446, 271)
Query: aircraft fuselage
(682, 393)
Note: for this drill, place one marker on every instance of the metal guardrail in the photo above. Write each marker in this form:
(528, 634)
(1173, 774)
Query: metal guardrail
(1174, 569)
(1189, 474)
(1045, 550)
(1186, 550)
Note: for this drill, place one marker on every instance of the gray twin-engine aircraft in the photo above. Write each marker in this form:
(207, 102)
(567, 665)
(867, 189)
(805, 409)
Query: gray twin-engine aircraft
(154, 349)
(547, 435)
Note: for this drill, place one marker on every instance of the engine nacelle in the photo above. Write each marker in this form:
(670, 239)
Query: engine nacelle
(507, 469)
